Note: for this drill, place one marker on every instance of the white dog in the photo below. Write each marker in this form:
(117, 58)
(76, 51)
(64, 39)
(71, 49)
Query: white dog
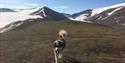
(59, 45)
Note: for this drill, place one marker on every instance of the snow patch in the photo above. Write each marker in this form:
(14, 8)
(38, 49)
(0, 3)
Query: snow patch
(12, 26)
(114, 11)
(81, 17)
(9, 17)
(80, 20)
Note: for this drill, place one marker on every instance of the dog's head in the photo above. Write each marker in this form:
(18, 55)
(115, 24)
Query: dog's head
(63, 33)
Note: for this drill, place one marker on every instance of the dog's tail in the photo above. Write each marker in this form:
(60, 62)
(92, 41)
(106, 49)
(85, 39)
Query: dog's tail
(63, 33)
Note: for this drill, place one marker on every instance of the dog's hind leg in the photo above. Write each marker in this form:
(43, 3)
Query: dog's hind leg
(55, 54)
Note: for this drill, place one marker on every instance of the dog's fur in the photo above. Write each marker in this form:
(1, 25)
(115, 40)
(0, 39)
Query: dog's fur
(59, 45)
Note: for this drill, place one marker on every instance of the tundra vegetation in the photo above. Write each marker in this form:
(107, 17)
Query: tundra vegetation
(88, 43)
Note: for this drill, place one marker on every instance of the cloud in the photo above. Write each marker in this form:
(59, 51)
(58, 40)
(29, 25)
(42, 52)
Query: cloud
(14, 4)
(31, 4)
(9, 1)
(18, 7)
(61, 7)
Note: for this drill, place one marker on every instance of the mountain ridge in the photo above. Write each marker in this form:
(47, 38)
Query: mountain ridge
(106, 16)
(92, 12)
(30, 15)
(111, 16)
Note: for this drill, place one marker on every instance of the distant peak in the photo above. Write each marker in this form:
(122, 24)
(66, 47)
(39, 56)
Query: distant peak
(45, 7)
(6, 10)
(41, 7)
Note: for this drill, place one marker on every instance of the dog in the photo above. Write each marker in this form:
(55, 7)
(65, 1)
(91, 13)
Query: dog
(59, 44)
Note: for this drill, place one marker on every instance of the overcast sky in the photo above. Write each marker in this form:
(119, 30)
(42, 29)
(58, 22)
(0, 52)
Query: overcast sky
(65, 6)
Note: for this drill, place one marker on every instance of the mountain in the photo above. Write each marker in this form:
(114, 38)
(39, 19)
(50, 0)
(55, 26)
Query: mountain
(6, 10)
(111, 15)
(49, 14)
(81, 16)
(13, 20)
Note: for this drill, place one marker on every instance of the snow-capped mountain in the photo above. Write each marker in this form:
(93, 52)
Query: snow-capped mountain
(112, 16)
(49, 14)
(6, 10)
(107, 15)
(8, 18)
(12, 20)
(81, 16)
(99, 10)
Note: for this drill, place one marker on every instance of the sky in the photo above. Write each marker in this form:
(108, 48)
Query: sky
(64, 6)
